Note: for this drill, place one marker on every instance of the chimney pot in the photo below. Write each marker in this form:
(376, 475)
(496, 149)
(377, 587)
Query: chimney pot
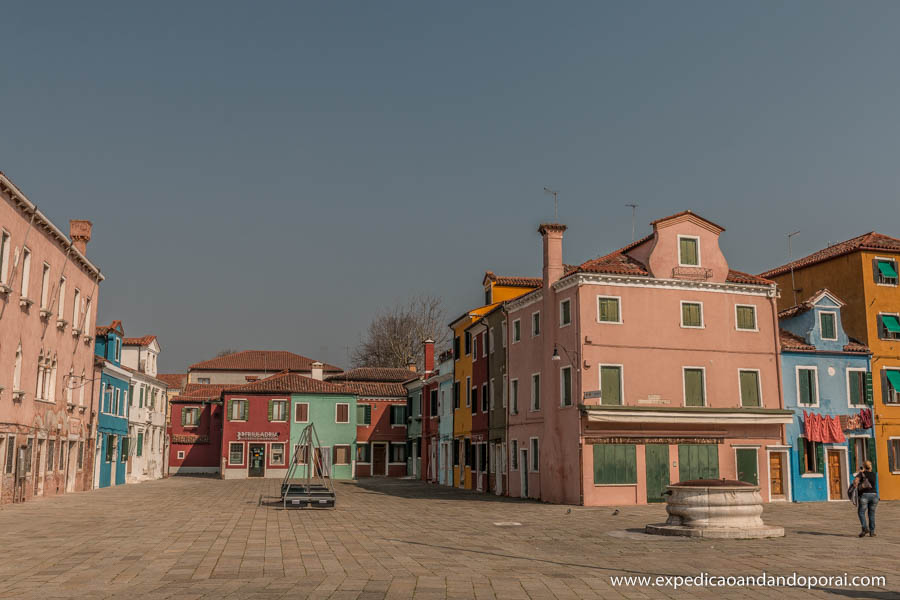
(552, 235)
(80, 233)
(318, 371)
(411, 366)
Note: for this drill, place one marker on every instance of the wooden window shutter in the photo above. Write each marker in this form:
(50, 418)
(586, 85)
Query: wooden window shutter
(245, 407)
(368, 414)
(892, 457)
(870, 453)
(271, 409)
(869, 395)
(820, 457)
(183, 416)
(230, 410)
(801, 454)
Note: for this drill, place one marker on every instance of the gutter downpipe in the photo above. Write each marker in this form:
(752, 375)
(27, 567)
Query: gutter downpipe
(773, 303)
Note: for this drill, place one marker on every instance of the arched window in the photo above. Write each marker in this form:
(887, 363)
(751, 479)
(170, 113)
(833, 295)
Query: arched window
(39, 390)
(51, 381)
(17, 371)
(69, 383)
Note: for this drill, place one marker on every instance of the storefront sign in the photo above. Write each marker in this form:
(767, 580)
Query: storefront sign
(652, 440)
(258, 435)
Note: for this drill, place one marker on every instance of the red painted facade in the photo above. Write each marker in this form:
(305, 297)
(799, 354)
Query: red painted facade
(430, 433)
(253, 432)
(195, 448)
(381, 432)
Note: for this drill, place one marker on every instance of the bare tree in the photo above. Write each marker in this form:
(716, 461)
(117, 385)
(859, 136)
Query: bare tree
(394, 337)
(225, 352)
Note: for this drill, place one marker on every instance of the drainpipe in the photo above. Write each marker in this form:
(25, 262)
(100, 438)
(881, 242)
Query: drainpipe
(774, 305)
(580, 370)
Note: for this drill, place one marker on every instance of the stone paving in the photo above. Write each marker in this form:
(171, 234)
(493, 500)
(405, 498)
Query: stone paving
(192, 538)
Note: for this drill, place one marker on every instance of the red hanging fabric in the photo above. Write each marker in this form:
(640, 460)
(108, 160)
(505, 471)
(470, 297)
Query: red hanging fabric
(836, 431)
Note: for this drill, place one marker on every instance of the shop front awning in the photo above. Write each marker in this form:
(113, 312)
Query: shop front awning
(688, 415)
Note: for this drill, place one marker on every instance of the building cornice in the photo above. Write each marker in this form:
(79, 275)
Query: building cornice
(522, 302)
(768, 291)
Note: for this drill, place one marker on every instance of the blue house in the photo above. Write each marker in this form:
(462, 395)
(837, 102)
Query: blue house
(827, 376)
(112, 423)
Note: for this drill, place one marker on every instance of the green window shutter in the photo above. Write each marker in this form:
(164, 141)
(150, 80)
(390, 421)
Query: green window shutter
(870, 451)
(604, 314)
(271, 409)
(805, 395)
(183, 416)
(610, 386)
(749, 388)
(690, 315)
(869, 394)
(229, 410)
(801, 455)
(688, 251)
(745, 317)
(693, 387)
(855, 389)
(826, 321)
(368, 414)
(820, 457)
(245, 407)
(851, 454)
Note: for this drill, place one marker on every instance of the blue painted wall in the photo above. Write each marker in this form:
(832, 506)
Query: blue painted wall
(112, 422)
(832, 364)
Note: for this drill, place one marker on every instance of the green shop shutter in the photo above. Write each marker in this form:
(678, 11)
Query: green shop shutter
(139, 450)
(820, 457)
(851, 454)
(271, 409)
(615, 464)
(801, 455)
(693, 387)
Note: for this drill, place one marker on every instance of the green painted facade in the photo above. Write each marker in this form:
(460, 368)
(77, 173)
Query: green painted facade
(323, 413)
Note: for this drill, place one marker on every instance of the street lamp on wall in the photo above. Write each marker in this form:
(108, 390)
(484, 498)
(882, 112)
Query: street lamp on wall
(556, 357)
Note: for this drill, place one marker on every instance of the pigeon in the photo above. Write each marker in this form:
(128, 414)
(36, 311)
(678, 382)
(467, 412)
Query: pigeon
(615, 512)
(568, 512)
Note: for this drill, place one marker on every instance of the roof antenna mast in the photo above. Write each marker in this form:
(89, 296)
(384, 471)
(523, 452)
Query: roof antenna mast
(633, 210)
(555, 203)
(791, 262)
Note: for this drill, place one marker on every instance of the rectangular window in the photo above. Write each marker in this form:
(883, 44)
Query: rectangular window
(10, 453)
(811, 456)
(536, 391)
(76, 308)
(827, 325)
(468, 341)
(455, 453)
(484, 397)
(456, 348)
(491, 394)
(536, 324)
(608, 310)
(503, 334)
(615, 464)
(487, 295)
(514, 455)
(301, 412)
(80, 455)
(885, 271)
(61, 304)
(856, 387)
(125, 449)
(342, 455)
(694, 387)
(750, 393)
(4, 258)
(474, 400)
(51, 452)
(503, 392)
(565, 313)
(139, 448)
(746, 317)
(491, 340)
(363, 453)
(191, 416)
(892, 389)
(235, 453)
(688, 251)
(484, 348)
(535, 455)
(363, 414)
(238, 410)
(456, 393)
(691, 314)
(279, 410)
(110, 448)
(888, 327)
(45, 286)
(565, 386)
(26, 272)
(893, 455)
(474, 348)
(277, 453)
(517, 331)
(807, 386)
(398, 414)
(342, 413)
(610, 385)
(514, 396)
(398, 453)
(468, 391)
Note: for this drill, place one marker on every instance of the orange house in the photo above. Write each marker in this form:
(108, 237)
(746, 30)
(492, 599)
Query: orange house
(863, 271)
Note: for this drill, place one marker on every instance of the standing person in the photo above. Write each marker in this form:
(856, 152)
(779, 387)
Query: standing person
(868, 498)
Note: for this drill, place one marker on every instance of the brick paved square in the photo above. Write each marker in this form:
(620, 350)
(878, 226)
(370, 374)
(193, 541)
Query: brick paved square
(393, 539)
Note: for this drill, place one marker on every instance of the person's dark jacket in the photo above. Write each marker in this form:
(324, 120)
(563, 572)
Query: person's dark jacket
(870, 476)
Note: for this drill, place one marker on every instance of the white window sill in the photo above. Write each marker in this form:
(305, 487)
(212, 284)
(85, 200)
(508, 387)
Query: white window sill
(564, 325)
(812, 475)
(599, 322)
(45, 401)
(693, 327)
(747, 330)
(363, 463)
(596, 485)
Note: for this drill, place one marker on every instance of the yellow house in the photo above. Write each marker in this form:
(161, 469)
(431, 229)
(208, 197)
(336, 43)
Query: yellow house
(496, 290)
(863, 271)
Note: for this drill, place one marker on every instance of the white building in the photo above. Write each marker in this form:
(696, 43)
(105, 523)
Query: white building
(148, 446)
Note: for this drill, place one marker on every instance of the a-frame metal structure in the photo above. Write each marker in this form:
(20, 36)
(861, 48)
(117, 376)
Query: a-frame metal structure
(314, 487)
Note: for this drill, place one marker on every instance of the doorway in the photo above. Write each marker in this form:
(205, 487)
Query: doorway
(323, 461)
(835, 476)
(70, 472)
(257, 467)
(39, 469)
(499, 452)
(379, 459)
(479, 451)
(657, 467)
(523, 470)
(776, 476)
(747, 469)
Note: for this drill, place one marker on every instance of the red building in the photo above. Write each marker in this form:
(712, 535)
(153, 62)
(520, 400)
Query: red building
(381, 418)
(478, 458)
(195, 430)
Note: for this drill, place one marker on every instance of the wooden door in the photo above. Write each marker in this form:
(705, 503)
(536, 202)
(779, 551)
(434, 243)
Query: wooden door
(747, 470)
(776, 474)
(379, 459)
(834, 475)
(657, 465)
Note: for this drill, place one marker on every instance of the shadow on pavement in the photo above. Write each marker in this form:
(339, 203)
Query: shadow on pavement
(412, 488)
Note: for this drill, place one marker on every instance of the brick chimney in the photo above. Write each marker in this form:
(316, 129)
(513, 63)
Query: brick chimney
(318, 370)
(552, 234)
(80, 232)
(429, 355)
(411, 366)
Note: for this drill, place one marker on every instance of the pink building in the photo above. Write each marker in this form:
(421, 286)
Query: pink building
(653, 364)
(48, 305)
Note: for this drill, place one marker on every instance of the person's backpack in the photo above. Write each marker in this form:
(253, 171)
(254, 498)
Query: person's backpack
(864, 485)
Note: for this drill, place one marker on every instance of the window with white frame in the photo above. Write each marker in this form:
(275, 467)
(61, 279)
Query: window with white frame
(514, 396)
(889, 326)
(45, 286)
(181, 455)
(745, 317)
(235, 453)
(535, 455)
(342, 454)
(190, 416)
(4, 257)
(694, 386)
(87, 318)
(398, 452)
(342, 413)
(828, 325)
(692, 314)
(751, 395)
(279, 410)
(565, 313)
(514, 455)
(893, 455)
(536, 392)
(61, 303)
(565, 386)
(277, 455)
(503, 334)
(856, 387)
(517, 331)
(238, 409)
(892, 386)
(885, 270)
(301, 412)
(504, 392)
(468, 391)
(76, 309)
(611, 385)
(688, 251)
(807, 386)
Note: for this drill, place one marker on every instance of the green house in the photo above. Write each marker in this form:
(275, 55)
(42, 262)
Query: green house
(332, 410)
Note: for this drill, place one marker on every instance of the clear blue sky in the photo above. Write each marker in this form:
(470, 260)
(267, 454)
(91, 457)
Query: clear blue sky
(267, 175)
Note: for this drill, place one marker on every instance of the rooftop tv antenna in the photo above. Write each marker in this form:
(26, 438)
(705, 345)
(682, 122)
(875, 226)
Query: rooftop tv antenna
(791, 262)
(633, 210)
(555, 203)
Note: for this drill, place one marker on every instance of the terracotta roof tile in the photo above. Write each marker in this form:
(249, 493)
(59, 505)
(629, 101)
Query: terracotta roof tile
(373, 389)
(806, 305)
(290, 383)
(173, 380)
(377, 374)
(867, 241)
(140, 341)
(211, 390)
(513, 281)
(741, 277)
(260, 360)
(789, 342)
(857, 346)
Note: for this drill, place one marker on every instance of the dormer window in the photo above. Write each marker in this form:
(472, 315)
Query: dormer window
(487, 295)
(688, 251)
(827, 325)
(885, 271)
